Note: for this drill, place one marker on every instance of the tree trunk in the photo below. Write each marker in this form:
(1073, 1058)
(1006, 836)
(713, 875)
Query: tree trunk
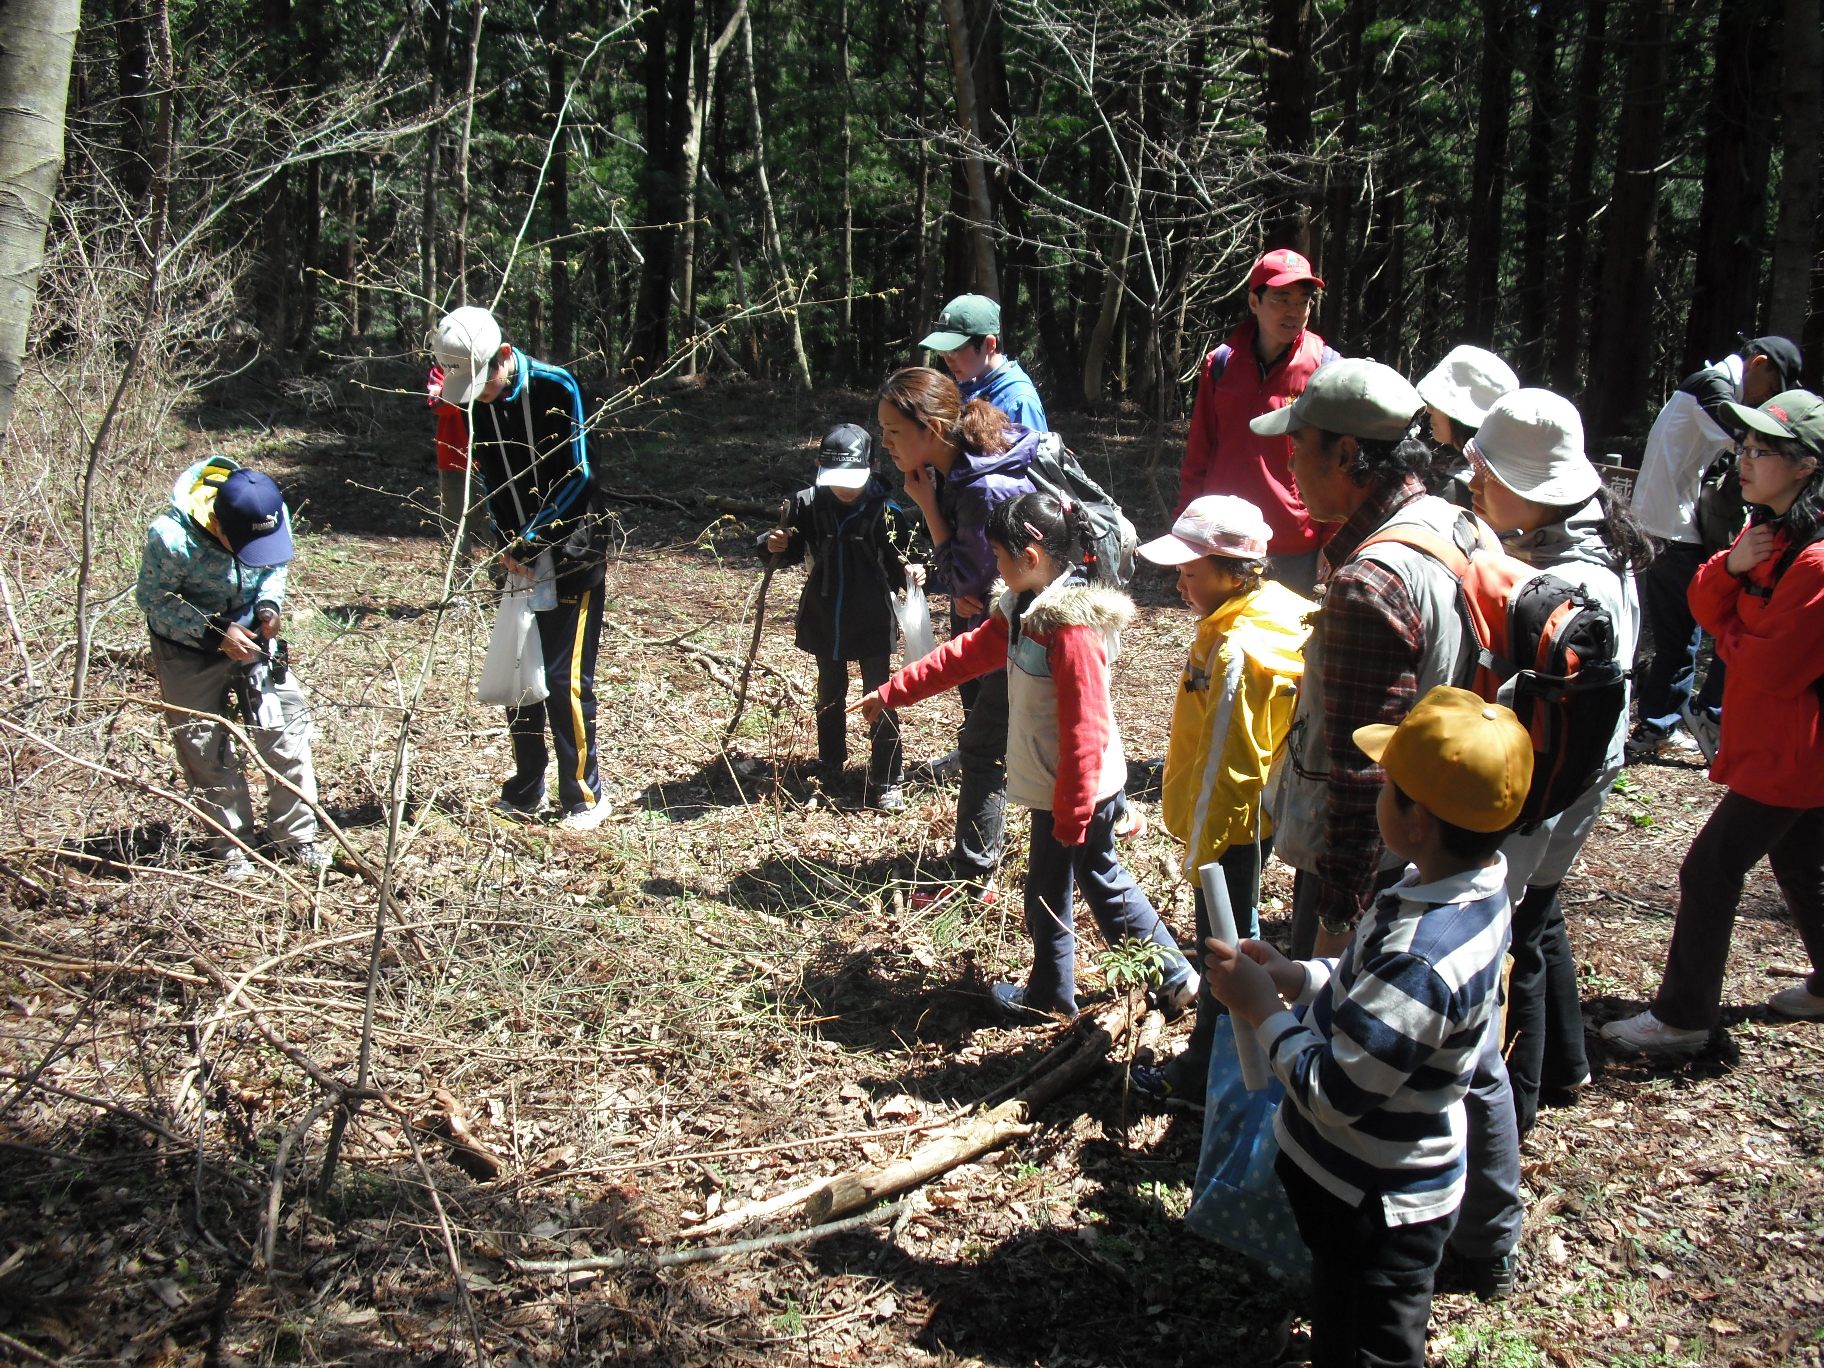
(1802, 91)
(35, 52)
(703, 98)
(923, 275)
(1343, 179)
(1568, 337)
(847, 135)
(278, 270)
(986, 278)
(1620, 351)
(1488, 176)
(460, 295)
(437, 17)
(1286, 218)
(557, 200)
(133, 63)
(1537, 210)
(775, 247)
(667, 66)
(1738, 142)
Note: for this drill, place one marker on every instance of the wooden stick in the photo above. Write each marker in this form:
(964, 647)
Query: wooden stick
(753, 646)
(635, 1258)
(853, 1191)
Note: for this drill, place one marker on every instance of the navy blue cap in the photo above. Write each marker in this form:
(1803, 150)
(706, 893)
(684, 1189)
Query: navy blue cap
(251, 513)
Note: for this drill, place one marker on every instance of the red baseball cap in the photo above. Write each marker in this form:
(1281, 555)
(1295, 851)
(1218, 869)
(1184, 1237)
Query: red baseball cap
(1282, 266)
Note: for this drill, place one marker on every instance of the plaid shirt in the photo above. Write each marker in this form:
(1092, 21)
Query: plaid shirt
(1373, 643)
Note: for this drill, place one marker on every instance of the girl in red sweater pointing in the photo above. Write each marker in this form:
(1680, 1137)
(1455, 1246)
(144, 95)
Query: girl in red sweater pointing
(1055, 635)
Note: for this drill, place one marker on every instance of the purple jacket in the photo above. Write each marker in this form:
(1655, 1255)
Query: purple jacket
(976, 483)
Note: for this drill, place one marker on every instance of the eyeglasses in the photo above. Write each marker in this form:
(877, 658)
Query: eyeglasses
(1759, 452)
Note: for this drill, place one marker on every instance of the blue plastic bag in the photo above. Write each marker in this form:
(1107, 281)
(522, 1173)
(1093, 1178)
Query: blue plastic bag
(1237, 1201)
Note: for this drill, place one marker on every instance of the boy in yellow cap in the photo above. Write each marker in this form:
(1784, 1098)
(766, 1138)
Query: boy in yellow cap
(1371, 1132)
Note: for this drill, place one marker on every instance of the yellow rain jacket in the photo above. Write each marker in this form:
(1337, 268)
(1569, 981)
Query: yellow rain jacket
(1233, 707)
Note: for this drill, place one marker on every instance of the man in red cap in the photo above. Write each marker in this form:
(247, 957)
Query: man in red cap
(1273, 355)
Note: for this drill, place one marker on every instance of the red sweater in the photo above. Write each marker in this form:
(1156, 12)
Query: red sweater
(1772, 747)
(1222, 455)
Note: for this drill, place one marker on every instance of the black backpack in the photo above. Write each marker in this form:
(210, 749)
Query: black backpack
(1055, 470)
(1721, 514)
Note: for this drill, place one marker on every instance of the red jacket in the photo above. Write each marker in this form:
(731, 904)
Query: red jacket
(1063, 749)
(452, 436)
(1772, 747)
(1223, 456)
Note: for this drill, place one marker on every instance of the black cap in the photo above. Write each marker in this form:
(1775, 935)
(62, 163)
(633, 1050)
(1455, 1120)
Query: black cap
(1782, 352)
(846, 458)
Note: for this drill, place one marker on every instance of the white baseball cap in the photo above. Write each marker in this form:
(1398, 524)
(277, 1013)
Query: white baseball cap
(1532, 442)
(1213, 525)
(467, 341)
(1466, 383)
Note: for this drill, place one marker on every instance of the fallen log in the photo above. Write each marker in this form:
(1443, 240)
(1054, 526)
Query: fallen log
(850, 1192)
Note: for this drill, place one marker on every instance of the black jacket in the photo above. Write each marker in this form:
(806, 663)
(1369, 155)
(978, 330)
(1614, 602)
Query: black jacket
(533, 458)
(858, 561)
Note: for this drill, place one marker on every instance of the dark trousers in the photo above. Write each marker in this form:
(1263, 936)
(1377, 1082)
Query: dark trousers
(1664, 681)
(1053, 874)
(981, 799)
(884, 759)
(1544, 1014)
(568, 635)
(1739, 833)
(1370, 1282)
(1241, 875)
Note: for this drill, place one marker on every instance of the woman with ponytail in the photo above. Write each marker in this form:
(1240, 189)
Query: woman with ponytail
(1052, 637)
(960, 463)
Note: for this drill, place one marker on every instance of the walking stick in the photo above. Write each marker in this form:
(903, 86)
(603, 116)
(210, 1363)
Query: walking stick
(753, 646)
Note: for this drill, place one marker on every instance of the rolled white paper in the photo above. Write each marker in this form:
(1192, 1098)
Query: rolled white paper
(1255, 1071)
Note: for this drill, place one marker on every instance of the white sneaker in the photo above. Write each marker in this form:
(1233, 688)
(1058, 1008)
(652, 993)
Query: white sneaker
(1647, 1034)
(1797, 1003)
(1706, 731)
(236, 867)
(313, 858)
(586, 818)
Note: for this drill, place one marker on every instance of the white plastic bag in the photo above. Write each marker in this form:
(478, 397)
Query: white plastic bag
(914, 615)
(513, 674)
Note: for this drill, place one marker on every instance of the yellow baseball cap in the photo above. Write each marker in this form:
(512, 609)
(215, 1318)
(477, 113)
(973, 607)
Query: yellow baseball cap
(1467, 761)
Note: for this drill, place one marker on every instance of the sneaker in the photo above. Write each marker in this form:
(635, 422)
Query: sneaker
(1181, 1083)
(1648, 744)
(927, 899)
(312, 858)
(886, 798)
(585, 816)
(1647, 1034)
(1797, 1003)
(1174, 999)
(513, 812)
(236, 867)
(1132, 825)
(1705, 730)
(946, 769)
(1490, 1278)
(1011, 999)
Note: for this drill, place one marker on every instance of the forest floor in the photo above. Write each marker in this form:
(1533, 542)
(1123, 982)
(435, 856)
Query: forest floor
(718, 997)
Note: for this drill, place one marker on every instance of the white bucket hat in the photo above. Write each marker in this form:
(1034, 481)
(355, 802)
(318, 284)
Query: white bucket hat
(467, 341)
(1532, 442)
(1214, 525)
(1466, 383)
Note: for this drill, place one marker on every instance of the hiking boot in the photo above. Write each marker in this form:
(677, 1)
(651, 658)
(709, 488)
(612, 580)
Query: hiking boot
(585, 816)
(1797, 1003)
(946, 769)
(1490, 1278)
(311, 857)
(1647, 1034)
(1705, 729)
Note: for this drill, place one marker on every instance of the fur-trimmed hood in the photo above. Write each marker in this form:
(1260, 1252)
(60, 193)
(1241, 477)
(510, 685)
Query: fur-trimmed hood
(1071, 602)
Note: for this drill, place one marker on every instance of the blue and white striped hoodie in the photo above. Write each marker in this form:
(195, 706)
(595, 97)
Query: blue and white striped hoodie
(1376, 1068)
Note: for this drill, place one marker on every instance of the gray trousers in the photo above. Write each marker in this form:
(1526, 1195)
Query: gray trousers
(461, 519)
(212, 762)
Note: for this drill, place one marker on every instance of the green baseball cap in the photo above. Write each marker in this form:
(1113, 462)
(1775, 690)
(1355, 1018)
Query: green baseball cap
(1795, 414)
(964, 317)
(1353, 397)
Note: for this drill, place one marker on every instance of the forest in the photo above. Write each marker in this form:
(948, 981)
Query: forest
(485, 1092)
